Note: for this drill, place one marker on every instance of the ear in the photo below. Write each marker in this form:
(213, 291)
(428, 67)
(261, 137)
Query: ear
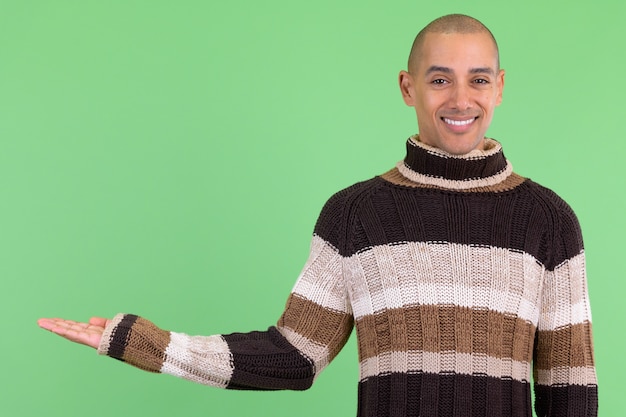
(499, 86)
(406, 88)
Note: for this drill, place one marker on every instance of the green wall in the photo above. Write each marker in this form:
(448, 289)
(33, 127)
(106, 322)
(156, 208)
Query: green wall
(169, 158)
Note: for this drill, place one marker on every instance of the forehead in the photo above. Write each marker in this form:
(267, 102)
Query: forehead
(460, 52)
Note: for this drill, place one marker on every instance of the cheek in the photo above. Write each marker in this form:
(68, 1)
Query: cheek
(489, 101)
(429, 106)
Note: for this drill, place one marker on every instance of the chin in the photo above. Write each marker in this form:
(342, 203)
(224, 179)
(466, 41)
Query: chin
(458, 146)
(461, 149)
(455, 144)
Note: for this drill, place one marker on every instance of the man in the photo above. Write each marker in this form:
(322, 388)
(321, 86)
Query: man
(459, 274)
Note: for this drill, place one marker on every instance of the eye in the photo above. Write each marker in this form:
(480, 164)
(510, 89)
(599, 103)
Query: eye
(481, 81)
(439, 81)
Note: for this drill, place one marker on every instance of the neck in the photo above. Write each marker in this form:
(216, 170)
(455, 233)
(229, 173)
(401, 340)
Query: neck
(428, 165)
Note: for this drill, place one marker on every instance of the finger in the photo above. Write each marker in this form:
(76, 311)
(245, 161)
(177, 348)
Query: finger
(89, 336)
(54, 323)
(98, 321)
(83, 333)
(69, 328)
(49, 324)
(65, 328)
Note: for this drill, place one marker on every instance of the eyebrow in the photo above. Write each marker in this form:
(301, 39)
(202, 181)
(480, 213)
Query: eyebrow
(482, 70)
(446, 70)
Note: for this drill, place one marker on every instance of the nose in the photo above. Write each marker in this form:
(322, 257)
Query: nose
(460, 97)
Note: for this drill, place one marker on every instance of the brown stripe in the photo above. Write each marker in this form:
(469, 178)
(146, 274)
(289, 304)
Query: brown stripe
(318, 324)
(395, 177)
(570, 346)
(146, 346)
(438, 329)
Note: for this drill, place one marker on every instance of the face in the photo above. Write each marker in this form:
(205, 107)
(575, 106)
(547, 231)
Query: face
(454, 88)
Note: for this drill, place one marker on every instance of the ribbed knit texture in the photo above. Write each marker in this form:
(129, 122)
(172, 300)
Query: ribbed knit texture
(461, 278)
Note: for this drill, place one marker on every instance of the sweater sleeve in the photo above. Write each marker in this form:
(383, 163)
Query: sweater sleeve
(563, 367)
(314, 326)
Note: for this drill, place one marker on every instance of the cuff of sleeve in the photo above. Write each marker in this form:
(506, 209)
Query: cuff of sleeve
(107, 335)
(136, 341)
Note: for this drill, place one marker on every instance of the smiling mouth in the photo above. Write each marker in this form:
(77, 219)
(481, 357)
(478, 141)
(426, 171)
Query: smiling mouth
(459, 122)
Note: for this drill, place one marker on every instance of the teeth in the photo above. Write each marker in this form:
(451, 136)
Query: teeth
(458, 122)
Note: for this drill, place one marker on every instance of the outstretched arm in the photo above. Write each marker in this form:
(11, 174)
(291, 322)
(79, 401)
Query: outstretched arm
(88, 334)
(315, 325)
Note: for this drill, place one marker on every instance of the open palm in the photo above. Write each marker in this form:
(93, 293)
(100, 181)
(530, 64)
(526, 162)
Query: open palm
(84, 333)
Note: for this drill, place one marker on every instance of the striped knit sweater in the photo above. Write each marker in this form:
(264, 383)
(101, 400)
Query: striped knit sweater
(461, 277)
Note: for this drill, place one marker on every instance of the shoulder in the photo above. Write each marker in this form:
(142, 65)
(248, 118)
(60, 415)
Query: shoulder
(338, 209)
(560, 222)
(354, 193)
(551, 203)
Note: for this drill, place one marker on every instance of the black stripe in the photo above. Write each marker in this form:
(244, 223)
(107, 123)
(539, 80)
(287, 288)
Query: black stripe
(566, 401)
(529, 219)
(119, 338)
(451, 395)
(267, 361)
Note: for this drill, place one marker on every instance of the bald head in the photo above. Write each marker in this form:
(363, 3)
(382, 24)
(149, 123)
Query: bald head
(452, 23)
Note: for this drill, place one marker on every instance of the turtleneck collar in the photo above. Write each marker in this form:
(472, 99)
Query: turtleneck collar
(432, 166)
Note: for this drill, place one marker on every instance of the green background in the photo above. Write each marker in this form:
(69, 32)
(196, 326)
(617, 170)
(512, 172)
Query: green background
(169, 158)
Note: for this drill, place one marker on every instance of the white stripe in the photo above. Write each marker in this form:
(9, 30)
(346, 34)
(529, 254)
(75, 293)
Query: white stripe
(319, 354)
(321, 279)
(491, 147)
(447, 362)
(579, 313)
(441, 273)
(105, 339)
(565, 297)
(583, 375)
(419, 273)
(455, 184)
(203, 359)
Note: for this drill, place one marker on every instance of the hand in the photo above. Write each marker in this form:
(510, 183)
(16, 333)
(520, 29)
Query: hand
(88, 334)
